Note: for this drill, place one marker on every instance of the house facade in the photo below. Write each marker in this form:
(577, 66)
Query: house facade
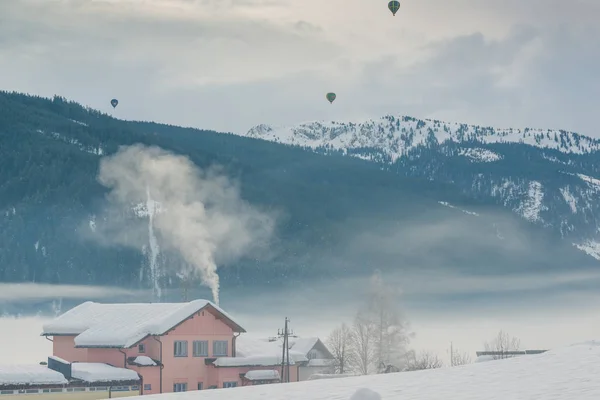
(174, 347)
(320, 360)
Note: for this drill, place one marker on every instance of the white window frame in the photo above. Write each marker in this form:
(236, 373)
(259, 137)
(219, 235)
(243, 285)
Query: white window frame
(182, 386)
(180, 348)
(197, 346)
(220, 342)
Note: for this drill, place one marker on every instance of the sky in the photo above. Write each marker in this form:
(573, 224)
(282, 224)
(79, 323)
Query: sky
(228, 65)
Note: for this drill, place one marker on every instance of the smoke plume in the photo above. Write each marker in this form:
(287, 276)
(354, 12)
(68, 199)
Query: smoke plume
(203, 217)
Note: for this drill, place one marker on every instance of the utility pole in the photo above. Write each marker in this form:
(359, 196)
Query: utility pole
(285, 356)
(451, 355)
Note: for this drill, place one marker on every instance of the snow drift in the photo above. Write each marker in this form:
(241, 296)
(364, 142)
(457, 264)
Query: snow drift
(568, 373)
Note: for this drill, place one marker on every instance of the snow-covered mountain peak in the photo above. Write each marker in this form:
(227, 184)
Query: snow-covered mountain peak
(395, 136)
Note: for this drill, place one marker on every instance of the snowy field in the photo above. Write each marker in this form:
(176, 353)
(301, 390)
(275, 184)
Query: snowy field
(571, 373)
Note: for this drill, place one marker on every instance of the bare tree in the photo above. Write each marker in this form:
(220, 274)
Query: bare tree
(502, 345)
(424, 360)
(459, 358)
(340, 345)
(390, 329)
(363, 344)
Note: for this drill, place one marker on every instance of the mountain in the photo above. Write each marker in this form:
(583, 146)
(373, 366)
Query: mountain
(434, 208)
(547, 177)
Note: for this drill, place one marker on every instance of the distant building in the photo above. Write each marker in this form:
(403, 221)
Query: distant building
(60, 380)
(173, 347)
(309, 355)
(320, 359)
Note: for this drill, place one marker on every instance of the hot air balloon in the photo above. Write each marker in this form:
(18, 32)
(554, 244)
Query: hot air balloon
(331, 97)
(394, 6)
(114, 103)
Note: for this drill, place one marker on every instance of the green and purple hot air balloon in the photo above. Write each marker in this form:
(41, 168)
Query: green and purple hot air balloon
(330, 97)
(394, 6)
(114, 103)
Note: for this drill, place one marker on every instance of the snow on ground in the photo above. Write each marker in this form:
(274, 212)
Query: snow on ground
(530, 208)
(480, 155)
(592, 182)
(569, 199)
(30, 374)
(79, 122)
(98, 150)
(590, 247)
(445, 203)
(395, 136)
(567, 373)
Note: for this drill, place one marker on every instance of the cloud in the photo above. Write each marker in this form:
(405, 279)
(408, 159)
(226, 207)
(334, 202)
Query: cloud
(228, 65)
(15, 292)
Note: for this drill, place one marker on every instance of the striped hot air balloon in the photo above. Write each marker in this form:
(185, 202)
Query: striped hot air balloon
(394, 6)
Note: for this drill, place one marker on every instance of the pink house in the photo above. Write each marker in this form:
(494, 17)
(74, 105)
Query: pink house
(174, 347)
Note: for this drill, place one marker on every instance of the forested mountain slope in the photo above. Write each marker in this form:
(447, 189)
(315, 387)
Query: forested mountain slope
(548, 177)
(337, 216)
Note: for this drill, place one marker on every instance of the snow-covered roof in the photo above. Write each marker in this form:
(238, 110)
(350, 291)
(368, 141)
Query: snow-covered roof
(252, 361)
(303, 345)
(262, 374)
(123, 325)
(145, 361)
(30, 375)
(247, 346)
(98, 372)
(60, 360)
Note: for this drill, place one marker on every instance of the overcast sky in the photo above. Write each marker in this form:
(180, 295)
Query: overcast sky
(230, 64)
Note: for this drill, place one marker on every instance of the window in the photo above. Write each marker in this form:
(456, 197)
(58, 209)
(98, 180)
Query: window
(141, 348)
(220, 348)
(147, 386)
(312, 355)
(200, 348)
(180, 348)
(229, 384)
(199, 385)
(180, 387)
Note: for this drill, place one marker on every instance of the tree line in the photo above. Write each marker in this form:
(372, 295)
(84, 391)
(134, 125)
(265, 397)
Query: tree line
(377, 340)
